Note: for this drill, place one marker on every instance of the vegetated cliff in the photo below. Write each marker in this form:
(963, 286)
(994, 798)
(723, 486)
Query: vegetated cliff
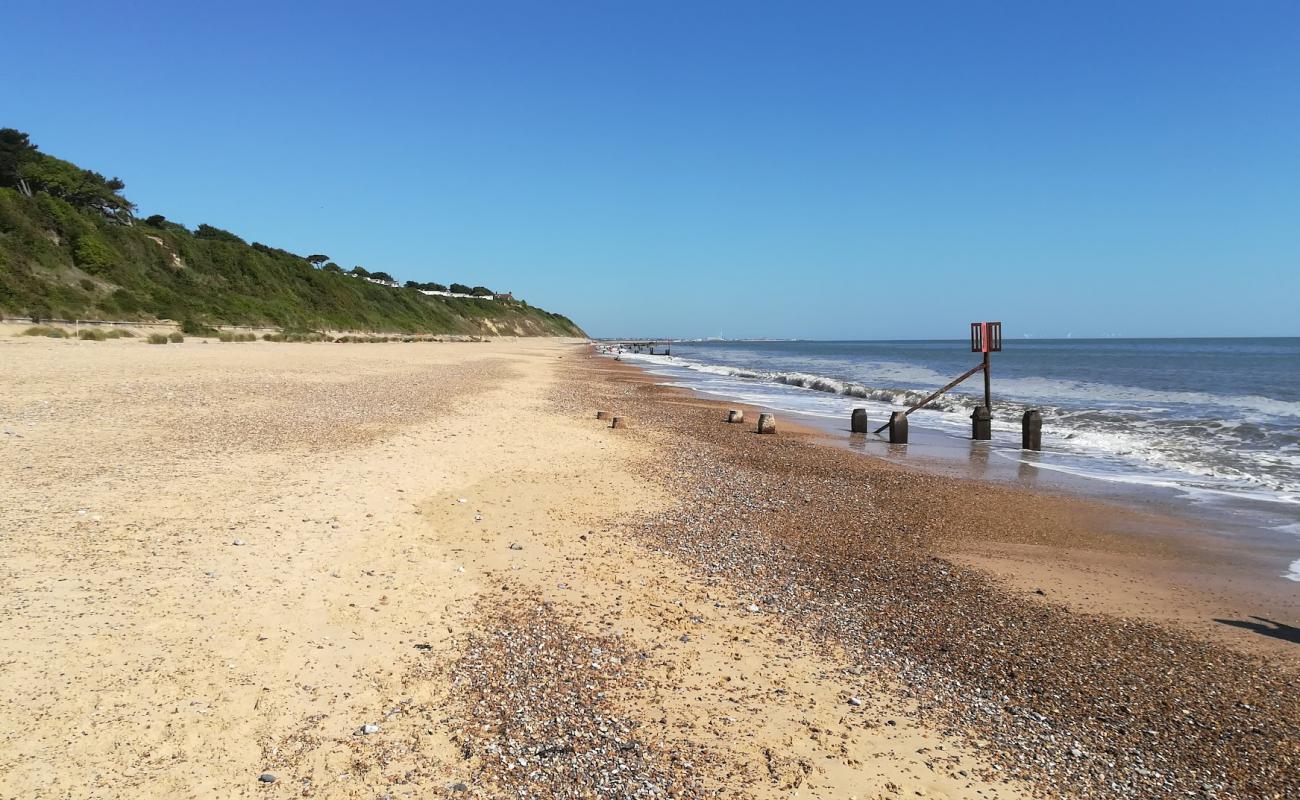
(70, 247)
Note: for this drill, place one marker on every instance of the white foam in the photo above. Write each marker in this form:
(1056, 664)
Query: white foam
(1293, 573)
(1114, 443)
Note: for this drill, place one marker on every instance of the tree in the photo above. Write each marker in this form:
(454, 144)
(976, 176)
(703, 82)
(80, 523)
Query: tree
(82, 188)
(155, 220)
(460, 288)
(317, 259)
(210, 232)
(360, 272)
(382, 276)
(481, 291)
(16, 149)
(332, 267)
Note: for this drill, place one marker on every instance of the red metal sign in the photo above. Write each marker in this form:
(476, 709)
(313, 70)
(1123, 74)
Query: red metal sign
(986, 337)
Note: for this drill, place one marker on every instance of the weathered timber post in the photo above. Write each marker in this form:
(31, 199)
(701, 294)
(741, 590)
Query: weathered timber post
(602, 415)
(898, 427)
(618, 422)
(766, 423)
(858, 422)
(1031, 430)
(736, 415)
(981, 424)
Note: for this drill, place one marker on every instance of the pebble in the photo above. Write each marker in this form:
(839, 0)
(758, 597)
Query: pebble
(369, 728)
(516, 546)
(862, 570)
(266, 777)
(530, 706)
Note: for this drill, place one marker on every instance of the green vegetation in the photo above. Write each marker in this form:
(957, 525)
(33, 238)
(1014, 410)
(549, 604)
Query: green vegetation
(227, 336)
(157, 338)
(191, 328)
(295, 336)
(175, 337)
(101, 335)
(71, 248)
(45, 330)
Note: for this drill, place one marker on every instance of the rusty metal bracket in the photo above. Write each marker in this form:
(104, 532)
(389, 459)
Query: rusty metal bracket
(963, 377)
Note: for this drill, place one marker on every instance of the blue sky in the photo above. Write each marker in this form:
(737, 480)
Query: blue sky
(823, 170)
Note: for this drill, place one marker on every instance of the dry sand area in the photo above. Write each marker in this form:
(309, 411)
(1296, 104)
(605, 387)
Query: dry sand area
(400, 570)
(221, 560)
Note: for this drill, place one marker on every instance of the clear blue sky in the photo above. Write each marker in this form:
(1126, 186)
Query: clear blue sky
(827, 170)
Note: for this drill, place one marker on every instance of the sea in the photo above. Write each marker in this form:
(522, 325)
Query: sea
(1213, 425)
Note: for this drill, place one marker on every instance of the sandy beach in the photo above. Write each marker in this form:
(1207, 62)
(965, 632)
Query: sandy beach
(426, 570)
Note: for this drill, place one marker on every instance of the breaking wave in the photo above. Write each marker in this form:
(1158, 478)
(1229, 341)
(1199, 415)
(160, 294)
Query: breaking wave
(1246, 444)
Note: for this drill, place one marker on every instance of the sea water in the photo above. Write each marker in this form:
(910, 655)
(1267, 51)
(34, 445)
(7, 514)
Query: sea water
(1216, 421)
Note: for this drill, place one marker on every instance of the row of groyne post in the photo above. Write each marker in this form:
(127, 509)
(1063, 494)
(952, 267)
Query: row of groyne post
(985, 338)
(1031, 425)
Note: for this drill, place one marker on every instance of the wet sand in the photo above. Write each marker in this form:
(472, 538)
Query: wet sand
(1132, 551)
(1111, 696)
(426, 570)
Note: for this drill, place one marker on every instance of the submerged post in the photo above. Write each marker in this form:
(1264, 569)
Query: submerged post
(898, 427)
(766, 423)
(981, 424)
(736, 415)
(858, 421)
(1031, 430)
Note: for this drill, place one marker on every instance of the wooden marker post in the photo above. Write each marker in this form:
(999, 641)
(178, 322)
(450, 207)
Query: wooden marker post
(1031, 430)
(736, 415)
(858, 422)
(981, 423)
(766, 423)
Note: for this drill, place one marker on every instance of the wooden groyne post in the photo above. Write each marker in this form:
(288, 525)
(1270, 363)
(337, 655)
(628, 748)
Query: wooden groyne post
(858, 421)
(897, 427)
(1031, 430)
(766, 423)
(981, 423)
(736, 415)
